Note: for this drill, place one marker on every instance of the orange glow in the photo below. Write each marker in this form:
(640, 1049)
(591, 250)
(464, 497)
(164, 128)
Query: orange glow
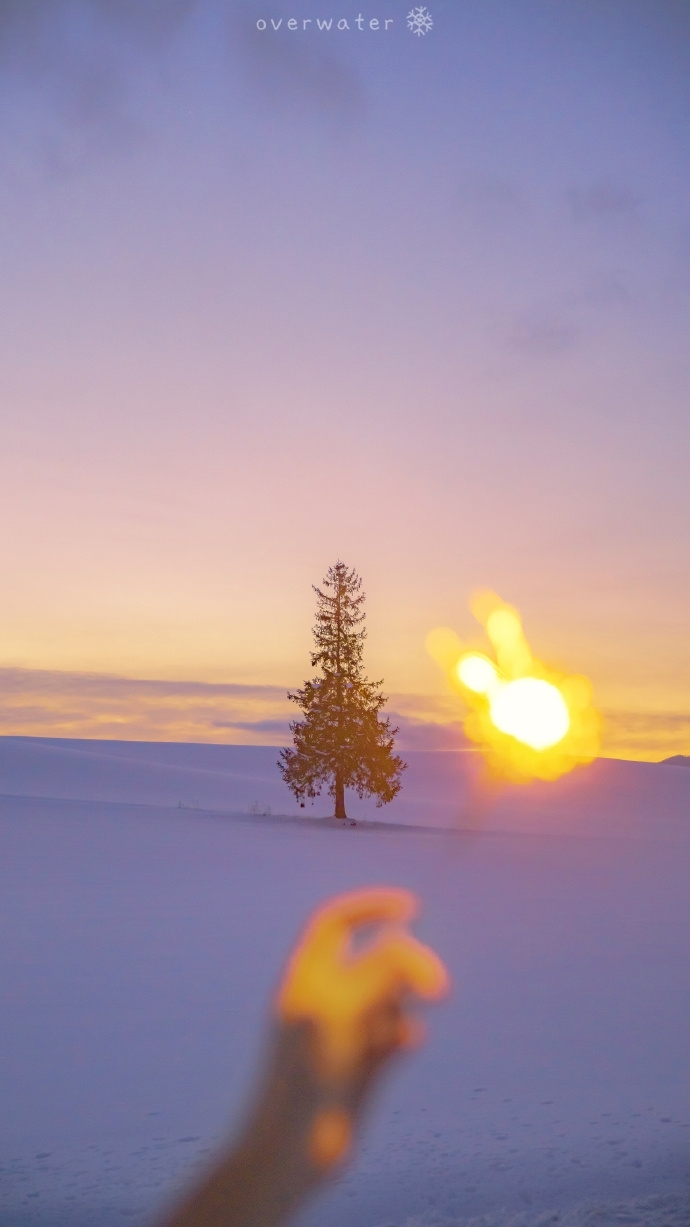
(530, 720)
(353, 996)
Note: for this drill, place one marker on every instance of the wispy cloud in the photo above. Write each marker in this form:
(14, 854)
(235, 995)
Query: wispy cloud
(556, 325)
(304, 75)
(428, 734)
(603, 200)
(57, 704)
(649, 735)
(276, 728)
(71, 74)
(67, 69)
(543, 332)
(44, 703)
(491, 199)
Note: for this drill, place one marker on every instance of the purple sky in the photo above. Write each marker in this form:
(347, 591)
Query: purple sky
(270, 298)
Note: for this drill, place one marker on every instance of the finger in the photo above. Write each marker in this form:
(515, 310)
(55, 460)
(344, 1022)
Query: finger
(328, 932)
(399, 964)
(336, 919)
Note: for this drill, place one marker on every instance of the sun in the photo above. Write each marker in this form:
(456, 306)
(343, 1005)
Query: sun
(530, 720)
(532, 711)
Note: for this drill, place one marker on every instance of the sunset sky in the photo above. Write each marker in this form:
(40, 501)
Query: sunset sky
(274, 297)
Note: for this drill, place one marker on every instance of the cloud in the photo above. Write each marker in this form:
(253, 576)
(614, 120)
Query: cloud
(46, 703)
(55, 704)
(603, 200)
(491, 199)
(70, 67)
(608, 289)
(22, 681)
(150, 19)
(553, 327)
(543, 333)
(650, 735)
(279, 727)
(427, 734)
(302, 74)
(71, 74)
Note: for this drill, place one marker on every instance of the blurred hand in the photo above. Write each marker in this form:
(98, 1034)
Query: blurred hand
(341, 1012)
(354, 999)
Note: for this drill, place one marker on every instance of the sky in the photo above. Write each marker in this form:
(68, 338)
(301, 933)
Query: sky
(273, 297)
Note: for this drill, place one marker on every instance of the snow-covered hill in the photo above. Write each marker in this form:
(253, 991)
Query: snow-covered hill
(141, 942)
(440, 788)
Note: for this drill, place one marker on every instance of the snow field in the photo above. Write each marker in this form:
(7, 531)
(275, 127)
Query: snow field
(141, 943)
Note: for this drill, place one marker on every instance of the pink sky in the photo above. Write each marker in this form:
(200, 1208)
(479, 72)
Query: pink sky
(419, 304)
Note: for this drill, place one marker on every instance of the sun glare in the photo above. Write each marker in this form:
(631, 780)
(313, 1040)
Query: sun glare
(529, 719)
(532, 711)
(476, 672)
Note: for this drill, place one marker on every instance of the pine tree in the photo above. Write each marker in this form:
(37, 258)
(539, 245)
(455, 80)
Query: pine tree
(342, 741)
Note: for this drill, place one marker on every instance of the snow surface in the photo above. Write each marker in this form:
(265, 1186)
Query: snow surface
(141, 941)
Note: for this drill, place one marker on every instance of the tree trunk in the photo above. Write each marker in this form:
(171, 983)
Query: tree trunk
(339, 796)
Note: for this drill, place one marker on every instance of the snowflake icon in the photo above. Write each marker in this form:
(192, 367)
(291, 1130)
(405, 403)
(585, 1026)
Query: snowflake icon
(419, 20)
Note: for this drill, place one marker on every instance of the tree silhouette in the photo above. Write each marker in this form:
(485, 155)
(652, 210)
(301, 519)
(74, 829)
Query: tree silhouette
(342, 741)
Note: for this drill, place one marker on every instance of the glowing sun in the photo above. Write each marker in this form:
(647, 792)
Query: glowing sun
(529, 719)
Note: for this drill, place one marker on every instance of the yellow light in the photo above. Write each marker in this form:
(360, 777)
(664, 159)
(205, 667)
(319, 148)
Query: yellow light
(531, 710)
(478, 673)
(503, 627)
(531, 720)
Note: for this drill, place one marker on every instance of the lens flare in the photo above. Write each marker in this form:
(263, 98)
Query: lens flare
(477, 672)
(532, 711)
(530, 720)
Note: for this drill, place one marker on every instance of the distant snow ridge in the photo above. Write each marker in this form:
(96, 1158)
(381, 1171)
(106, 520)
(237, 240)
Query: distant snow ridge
(656, 1211)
